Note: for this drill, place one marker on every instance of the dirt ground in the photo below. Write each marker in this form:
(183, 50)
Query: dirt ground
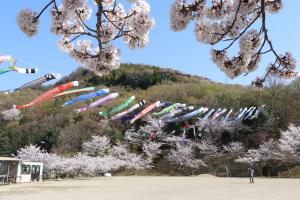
(155, 188)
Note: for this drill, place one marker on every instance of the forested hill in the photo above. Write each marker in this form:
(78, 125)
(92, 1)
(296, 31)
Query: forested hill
(60, 129)
(134, 76)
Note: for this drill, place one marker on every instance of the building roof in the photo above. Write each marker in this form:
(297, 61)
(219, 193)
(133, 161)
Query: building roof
(32, 163)
(9, 159)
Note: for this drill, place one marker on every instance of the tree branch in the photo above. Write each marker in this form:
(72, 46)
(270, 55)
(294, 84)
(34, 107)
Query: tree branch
(87, 27)
(222, 35)
(42, 11)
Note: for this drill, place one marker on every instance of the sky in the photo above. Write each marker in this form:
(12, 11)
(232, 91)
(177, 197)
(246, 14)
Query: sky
(175, 50)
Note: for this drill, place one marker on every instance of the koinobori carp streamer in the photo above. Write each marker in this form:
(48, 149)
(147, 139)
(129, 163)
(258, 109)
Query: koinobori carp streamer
(9, 59)
(258, 110)
(227, 115)
(131, 109)
(218, 114)
(25, 70)
(35, 83)
(39, 81)
(249, 114)
(75, 91)
(5, 70)
(176, 112)
(98, 102)
(207, 115)
(13, 66)
(167, 109)
(145, 111)
(85, 97)
(119, 107)
(188, 115)
(49, 94)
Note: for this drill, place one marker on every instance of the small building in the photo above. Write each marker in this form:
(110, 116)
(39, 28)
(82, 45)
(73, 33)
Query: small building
(14, 170)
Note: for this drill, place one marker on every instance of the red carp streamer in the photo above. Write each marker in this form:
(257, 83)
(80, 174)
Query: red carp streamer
(49, 94)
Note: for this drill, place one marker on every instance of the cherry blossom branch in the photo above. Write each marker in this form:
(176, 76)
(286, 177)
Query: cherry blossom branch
(117, 27)
(69, 21)
(241, 34)
(192, 7)
(271, 49)
(84, 24)
(42, 11)
(234, 21)
(222, 35)
(79, 34)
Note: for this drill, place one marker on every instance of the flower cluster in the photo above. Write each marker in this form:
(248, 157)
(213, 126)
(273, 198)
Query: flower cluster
(92, 162)
(11, 114)
(235, 148)
(98, 145)
(231, 21)
(207, 147)
(288, 62)
(28, 22)
(183, 155)
(92, 47)
(151, 149)
(285, 150)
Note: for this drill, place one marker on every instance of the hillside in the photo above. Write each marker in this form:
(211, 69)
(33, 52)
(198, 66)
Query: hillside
(60, 129)
(134, 76)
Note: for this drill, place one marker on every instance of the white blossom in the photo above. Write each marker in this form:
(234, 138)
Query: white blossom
(265, 153)
(274, 6)
(31, 153)
(208, 148)
(11, 114)
(183, 155)
(132, 136)
(28, 23)
(179, 20)
(235, 148)
(140, 23)
(151, 149)
(132, 161)
(72, 5)
(289, 145)
(250, 41)
(89, 46)
(98, 145)
(228, 22)
(84, 164)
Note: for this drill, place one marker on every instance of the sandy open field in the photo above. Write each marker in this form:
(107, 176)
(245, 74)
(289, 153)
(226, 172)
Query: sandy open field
(146, 188)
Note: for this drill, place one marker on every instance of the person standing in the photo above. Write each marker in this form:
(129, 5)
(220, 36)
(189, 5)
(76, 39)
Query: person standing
(251, 174)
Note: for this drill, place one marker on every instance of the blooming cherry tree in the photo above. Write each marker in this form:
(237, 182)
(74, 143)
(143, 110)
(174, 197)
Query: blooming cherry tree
(97, 146)
(216, 21)
(84, 164)
(235, 148)
(265, 153)
(183, 155)
(289, 145)
(132, 161)
(151, 148)
(92, 46)
(153, 129)
(31, 153)
(286, 150)
(207, 147)
(235, 21)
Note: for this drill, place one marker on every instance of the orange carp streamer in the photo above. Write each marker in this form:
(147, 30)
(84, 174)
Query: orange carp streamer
(49, 94)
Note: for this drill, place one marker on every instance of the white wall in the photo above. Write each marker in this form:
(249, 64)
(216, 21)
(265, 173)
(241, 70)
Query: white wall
(26, 178)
